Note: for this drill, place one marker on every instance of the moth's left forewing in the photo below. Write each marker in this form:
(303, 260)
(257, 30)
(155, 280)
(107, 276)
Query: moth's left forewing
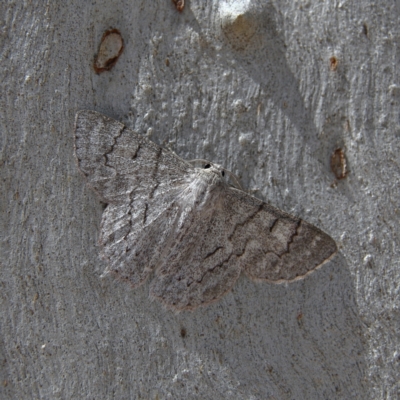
(140, 181)
(119, 163)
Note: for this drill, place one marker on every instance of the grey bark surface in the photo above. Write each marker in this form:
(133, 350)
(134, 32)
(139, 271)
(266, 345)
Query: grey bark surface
(269, 90)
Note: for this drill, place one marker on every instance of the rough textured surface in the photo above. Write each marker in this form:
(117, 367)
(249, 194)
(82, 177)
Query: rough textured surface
(183, 223)
(259, 98)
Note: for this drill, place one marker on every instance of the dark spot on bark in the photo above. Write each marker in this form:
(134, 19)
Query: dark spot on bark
(179, 4)
(111, 47)
(333, 62)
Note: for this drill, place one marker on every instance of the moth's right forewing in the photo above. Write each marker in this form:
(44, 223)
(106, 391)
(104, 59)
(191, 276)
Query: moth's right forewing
(273, 245)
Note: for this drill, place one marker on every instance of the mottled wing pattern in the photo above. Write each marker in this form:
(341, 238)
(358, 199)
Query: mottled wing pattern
(134, 237)
(270, 244)
(199, 266)
(237, 233)
(141, 183)
(119, 164)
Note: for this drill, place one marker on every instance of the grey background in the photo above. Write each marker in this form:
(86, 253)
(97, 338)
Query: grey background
(248, 86)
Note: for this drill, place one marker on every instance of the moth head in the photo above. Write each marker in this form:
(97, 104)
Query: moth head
(215, 169)
(215, 174)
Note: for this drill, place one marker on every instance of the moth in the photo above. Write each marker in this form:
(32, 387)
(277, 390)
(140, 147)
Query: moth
(182, 226)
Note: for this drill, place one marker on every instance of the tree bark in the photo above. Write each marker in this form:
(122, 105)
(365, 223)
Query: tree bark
(269, 90)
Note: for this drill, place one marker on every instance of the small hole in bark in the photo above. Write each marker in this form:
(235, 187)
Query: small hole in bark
(333, 63)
